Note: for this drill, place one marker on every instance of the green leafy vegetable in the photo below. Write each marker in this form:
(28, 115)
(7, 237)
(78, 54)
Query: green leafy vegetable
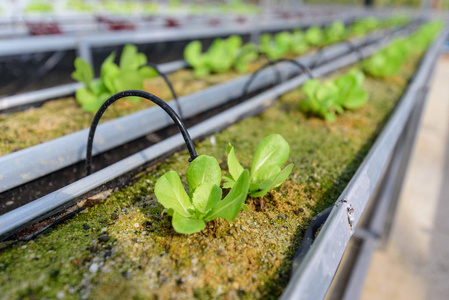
(314, 36)
(203, 204)
(220, 57)
(271, 153)
(388, 61)
(335, 32)
(363, 26)
(351, 95)
(277, 47)
(129, 75)
(299, 43)
(324, 99)
(247, 55)
(321, 99)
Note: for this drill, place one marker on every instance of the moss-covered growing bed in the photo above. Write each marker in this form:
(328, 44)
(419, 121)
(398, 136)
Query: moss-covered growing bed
(123, 248)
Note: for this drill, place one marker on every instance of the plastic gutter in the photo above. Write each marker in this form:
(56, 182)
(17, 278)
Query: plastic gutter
(54, 202)
(39, 96)
(314, 275)
(28, 164)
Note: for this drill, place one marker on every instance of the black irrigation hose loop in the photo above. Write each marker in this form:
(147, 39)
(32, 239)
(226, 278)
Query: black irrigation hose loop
(170, 86)
(356, 49)
(303, 68)
(279, 79)
(135, 93)
(319, 56)
(309, 237)
(254, 75)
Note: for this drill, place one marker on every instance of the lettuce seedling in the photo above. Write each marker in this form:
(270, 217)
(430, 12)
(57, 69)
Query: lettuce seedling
(335, 32)
(271, 153)
(94, 92)
(220, 56)
(321, 99)
(247, 55)
(387, 62)
(363, 26)
(130, 75)
(275, 48)
(299, 43)
(198, 61)
(314, 36)
(203, 203)
(351, 95)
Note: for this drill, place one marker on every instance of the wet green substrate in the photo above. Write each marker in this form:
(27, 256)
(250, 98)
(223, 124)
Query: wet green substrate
(123, 248)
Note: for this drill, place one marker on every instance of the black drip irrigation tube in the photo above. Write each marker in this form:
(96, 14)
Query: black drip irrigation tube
(309, 237)
(135, 93)
(170, 86)
(351, 46)
(278, 75)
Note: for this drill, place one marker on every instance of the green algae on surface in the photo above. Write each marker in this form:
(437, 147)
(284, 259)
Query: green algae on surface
(123, 248)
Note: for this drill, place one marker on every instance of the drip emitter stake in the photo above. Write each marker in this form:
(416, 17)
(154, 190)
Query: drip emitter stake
(135, 93)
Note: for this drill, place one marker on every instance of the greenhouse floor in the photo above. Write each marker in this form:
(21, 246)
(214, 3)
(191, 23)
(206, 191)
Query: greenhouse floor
(415, 263)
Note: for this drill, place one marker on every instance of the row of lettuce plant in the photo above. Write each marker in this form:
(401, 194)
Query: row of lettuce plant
(227, 54)
(325, 99)
(222, 56)
(149, 7)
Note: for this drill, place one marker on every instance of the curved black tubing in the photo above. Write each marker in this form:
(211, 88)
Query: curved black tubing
(271, 63)
(170, 86)
(319, 56)
(355, 49)
(309, 237)
(145, 95)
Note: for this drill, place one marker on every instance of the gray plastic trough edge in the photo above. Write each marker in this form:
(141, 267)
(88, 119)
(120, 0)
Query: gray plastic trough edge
(67, 89)
(314, 276)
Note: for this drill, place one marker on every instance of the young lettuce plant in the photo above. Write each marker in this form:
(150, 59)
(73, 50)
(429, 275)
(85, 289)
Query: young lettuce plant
(351, 95)
(198, 61)
(271, 153)
(130, 75)
(299, 43)
(220, 56)
(247, 55)
(203, 204)
(386, 62)
(94, 92)
(314, 36)
(276, 48)
(321, 99)
(335, 32)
